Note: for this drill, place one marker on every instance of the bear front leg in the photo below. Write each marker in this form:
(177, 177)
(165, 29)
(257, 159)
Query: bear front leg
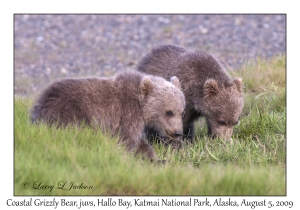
(134, 142)
(209, 132)
(140, 147)
(146, 150)
(189, 132)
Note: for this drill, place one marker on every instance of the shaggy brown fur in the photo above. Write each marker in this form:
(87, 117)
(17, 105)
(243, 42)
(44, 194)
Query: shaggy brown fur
(209, 91)
(123, 105)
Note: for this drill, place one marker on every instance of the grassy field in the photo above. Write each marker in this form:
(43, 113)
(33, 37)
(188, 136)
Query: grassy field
(82, 161)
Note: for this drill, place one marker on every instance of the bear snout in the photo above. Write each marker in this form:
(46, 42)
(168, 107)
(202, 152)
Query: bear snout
(173, 134)
(225, 137)
(177, 134)
(223, 132)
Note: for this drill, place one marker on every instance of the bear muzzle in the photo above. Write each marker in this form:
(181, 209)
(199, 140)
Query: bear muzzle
(174, 134)
(224, 132)
(178, 134)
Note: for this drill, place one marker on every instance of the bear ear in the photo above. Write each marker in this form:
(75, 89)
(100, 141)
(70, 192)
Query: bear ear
(146, 86)
(175, 81)
(239, 84)
(210, 88)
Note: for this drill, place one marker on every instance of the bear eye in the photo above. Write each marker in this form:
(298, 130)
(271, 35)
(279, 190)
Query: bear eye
(169, 113)
(221, 122)
(183, 113)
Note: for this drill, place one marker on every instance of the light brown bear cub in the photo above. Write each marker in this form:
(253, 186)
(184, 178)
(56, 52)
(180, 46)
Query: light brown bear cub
(123, 105)
(209, 91)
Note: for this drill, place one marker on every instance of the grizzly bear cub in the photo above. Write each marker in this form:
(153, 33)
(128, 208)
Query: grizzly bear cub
(209, 91)
(123, 106)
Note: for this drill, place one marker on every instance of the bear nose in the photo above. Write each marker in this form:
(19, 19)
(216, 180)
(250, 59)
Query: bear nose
(177, 134)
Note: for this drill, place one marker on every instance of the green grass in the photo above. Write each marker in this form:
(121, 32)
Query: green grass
(253, 163)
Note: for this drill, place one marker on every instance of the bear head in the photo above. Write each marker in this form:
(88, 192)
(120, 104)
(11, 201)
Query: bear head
(223, 105)
(163, 104)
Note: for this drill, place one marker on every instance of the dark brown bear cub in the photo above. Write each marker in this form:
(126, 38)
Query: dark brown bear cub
(209, 91)
(123, 105)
